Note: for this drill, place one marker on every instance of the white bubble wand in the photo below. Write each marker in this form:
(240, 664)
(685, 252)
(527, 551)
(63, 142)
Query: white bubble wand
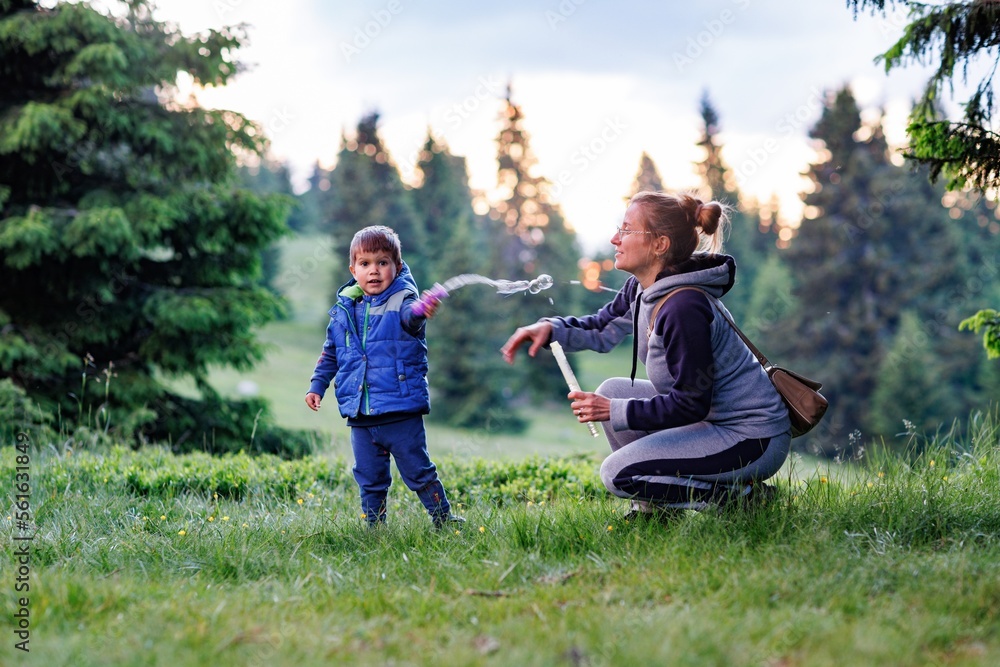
(570, 377)
(438, 291)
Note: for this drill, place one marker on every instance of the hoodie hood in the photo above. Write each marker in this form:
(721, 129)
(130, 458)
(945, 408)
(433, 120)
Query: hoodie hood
(716, 274)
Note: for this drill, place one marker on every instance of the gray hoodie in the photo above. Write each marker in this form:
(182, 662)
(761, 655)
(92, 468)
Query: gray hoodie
(698, 365)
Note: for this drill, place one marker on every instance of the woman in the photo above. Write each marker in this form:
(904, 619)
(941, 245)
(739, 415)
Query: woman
(708, 425)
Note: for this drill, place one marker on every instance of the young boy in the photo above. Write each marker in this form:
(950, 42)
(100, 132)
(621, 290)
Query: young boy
(376, 355)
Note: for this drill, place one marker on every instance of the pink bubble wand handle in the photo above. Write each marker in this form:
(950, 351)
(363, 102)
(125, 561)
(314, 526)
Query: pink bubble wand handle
(433, 297)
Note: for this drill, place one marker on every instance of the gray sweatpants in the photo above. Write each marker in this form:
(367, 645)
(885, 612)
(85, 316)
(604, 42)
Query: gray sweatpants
(684, 467)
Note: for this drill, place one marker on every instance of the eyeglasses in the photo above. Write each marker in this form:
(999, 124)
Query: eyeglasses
(625, 232)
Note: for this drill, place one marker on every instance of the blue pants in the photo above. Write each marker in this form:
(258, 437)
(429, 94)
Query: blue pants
(406, 441)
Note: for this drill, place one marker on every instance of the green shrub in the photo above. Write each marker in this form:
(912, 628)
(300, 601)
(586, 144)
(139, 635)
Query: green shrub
(217, 425)
(18, 413)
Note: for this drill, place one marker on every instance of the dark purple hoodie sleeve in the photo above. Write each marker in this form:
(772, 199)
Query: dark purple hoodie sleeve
(685, 323)
(601, 331)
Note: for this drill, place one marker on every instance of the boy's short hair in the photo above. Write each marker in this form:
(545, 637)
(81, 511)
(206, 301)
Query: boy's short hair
(377, 238)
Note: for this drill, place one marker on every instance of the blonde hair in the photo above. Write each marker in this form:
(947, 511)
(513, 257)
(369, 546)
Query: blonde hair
(691, 224)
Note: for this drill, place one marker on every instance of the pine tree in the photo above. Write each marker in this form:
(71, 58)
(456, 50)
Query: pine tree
(128, 254)
(367, 190)
(877, 243)
(467, 376)
(317, 201)
(712, 169)
(907, 388)
(771, 300)
(531, 238)
(647, 179)
(271, 178)
(745, 241)
(953, 35)
(443, 202)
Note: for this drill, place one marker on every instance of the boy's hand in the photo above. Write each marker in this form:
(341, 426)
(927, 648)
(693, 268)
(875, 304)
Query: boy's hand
(430, 300)
(313, 401)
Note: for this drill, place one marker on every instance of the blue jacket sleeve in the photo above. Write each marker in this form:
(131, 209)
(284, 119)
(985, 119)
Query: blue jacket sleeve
(413, 324)
(326, 366)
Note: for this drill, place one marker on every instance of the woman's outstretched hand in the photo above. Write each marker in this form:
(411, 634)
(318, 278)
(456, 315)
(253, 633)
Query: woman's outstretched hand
(538, 333)
(590, 407)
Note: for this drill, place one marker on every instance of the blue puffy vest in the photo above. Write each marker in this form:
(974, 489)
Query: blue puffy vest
(380, 367)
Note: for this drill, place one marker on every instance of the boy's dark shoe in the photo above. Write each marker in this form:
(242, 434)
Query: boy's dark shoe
(448, 521)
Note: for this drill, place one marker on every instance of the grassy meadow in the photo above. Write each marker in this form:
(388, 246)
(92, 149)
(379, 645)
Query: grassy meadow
(149, 558)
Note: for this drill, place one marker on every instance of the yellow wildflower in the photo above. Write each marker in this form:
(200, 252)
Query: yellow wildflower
(482, 529)
(182, 532)
(300, 501)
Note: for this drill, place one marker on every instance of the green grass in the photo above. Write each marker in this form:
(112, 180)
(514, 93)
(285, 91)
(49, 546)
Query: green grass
(145, 558)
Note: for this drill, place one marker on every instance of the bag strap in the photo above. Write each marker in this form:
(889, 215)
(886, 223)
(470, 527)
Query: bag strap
(753, 348)
(656, 309)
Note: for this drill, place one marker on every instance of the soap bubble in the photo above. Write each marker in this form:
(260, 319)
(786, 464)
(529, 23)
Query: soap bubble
(544, 281)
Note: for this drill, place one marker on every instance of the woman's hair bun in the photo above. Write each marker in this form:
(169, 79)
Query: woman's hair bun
(707, 216)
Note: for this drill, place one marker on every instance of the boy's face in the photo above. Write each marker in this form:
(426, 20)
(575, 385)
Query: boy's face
(374, 271)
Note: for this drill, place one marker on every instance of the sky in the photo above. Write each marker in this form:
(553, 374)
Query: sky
(599, 83)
